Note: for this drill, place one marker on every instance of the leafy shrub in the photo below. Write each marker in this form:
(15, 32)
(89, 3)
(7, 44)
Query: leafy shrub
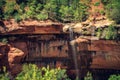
(102, 12)
(60, 10)
(74, 13)
(66, 13)
(42, 16)
(115, 15)
(2, 2)
(108, 33)
(99, 33)
(4, 40)
(113, 10)
(9, 9)
(97, 4)
(4, 76)
(32, 72)
(17, 18)
(105, 2)
(88, 76)
(114, 77)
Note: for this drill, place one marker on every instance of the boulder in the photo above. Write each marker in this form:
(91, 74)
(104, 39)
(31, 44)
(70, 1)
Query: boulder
(67, 26)
(15, 55)
(78, 28)
(75, 27)
(11, 57)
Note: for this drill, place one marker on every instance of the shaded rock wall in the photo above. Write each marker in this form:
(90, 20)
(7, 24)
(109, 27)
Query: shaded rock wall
(54, 50)
(104, 54)
(42, 49)
(3, 54)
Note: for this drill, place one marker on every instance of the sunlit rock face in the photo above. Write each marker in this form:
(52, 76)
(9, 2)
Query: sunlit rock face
(21, 46)
(29, 27)
(15, 56)
(65, 28)
(80, 28)
(75, 27)
(89, 26)
(7, 26)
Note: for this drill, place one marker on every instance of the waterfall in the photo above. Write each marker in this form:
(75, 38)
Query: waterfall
(74, 51)
(71, 34)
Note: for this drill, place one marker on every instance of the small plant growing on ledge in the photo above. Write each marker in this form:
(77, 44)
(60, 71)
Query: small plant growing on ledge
(4, 40)
(97, 4)
(109, 33)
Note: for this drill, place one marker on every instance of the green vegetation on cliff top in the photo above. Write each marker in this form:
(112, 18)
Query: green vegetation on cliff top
(57, 10)
(60, 10)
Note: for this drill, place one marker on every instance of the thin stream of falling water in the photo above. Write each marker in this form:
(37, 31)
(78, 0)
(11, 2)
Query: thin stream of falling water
(74, 51)
(71, 34)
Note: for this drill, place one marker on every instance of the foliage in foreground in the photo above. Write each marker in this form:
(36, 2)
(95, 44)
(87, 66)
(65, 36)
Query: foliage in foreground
(32, 72)
(5, 75)
(114, 77)
(88, 76)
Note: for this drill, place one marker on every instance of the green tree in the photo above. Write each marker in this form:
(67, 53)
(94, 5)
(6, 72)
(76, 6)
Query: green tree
(50, 8)
(108, 33)
(32, 72)
(66, 13)
(9, 9)
(80, 13)
(73, 11)
(2, 3)
(114, 77)
(113, 10)
(61, 10)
